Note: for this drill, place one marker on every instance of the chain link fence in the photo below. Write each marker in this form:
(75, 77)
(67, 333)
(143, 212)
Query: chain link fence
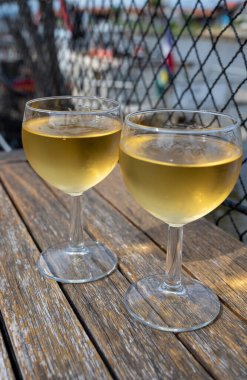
(154, 54)
(166, 54)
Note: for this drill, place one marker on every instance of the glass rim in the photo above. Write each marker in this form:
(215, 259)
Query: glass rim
(116, 105)
(235, 121)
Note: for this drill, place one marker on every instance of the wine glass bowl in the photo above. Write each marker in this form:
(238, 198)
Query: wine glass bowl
(179, 165)
(73, 144)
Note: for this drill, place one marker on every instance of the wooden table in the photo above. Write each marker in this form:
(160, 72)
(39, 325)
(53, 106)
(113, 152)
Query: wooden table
(54, 331)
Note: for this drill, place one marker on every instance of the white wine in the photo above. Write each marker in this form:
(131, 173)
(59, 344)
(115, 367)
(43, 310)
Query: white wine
(72, 158)
(179, 178)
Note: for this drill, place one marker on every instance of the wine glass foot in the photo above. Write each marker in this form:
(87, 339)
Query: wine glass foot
(190, 308)
(65, 264)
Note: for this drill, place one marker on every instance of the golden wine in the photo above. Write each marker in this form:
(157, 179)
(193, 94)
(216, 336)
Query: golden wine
(72, 158)
(179, 178)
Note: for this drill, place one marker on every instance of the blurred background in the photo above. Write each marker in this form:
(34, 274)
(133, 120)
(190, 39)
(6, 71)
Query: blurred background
(144, 53)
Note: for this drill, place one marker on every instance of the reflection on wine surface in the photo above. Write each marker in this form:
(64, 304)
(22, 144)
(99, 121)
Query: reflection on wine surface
(179, 179)
(72, 158)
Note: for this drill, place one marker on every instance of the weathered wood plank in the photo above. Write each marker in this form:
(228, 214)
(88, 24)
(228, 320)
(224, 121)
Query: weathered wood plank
(6, 372)
(213, 256)
(132, 350)
(140, 257)
(47, 338)
(108, 226)
(224, 347)
(13, 156)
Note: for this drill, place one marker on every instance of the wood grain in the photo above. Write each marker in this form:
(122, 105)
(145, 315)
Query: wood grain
(13, 156)
(140, 257)
(6, 372)
(132, 350)
(213, 256)
(224, 346)
(47, 338)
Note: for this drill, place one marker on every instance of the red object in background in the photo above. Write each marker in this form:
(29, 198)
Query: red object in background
(23, 85)
(167, 51)
(101, 53)
(139, 52)
(170, 62)
(65, 16)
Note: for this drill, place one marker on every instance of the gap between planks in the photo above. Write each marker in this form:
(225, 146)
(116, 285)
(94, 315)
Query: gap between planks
(124, 277)
(159, 246)
(179, 336)
(14, 371)
(9, 347)
(119, 213)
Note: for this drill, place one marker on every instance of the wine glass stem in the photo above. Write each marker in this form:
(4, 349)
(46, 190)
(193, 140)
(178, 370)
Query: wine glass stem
(174, 258)
(76, 240)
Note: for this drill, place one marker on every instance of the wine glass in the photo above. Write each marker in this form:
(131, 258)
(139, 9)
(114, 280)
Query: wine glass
(72, 142)
(179, 165)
